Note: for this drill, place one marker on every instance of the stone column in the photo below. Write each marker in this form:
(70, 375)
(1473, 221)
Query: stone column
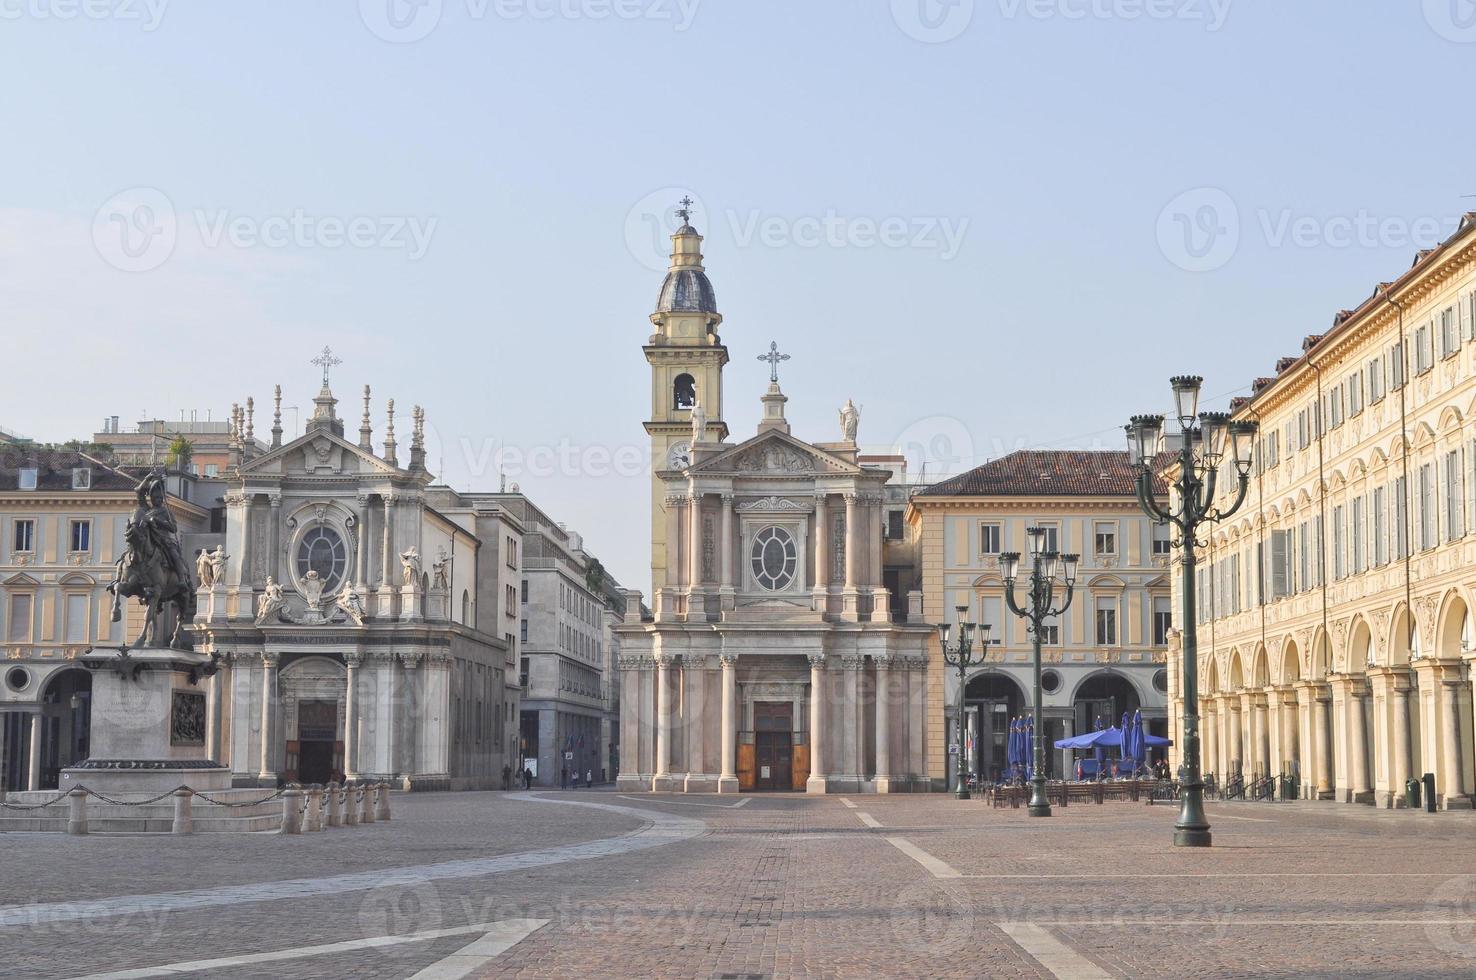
(881, 611)
(1320, 747)
(631, 714)
(661, 782)
(414, 687)
(852, 747)
(883, 724)
(1255, 710)
(851, 596)
(1236, 746)
(274, 560)
(213, 720)
(694, 687)
(1449, 783)
(728, 599)
(386, 559)
(1291, 751)
(728, 780)
(694, 532)
(818, 781)
(247, 559)
(33, 762)
(1210, 722)
(1399, 764)
(1275, 747)
(266, 774)
(385, 725)
(821, 586)
(351, 716)
(1362, 789)
(361, 546)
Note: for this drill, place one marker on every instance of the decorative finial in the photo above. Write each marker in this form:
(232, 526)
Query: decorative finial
(326, 360)
(389, 434)
(277, 416)
(773, 357)
(366, 429)
(685, 211)
(250, 419)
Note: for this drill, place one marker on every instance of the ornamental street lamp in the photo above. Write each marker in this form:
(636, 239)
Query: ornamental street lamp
(961, 657)
(1201, 452)
(1047, 568)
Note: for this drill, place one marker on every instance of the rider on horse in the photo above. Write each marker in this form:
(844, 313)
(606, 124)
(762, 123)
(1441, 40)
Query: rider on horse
(153, 517)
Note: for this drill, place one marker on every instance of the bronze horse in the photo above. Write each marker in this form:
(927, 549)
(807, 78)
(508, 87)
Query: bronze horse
(146, 573)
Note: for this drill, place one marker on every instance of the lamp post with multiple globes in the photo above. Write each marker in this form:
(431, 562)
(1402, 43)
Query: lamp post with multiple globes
(1047, 569)
(1201, 452)
(961, 657)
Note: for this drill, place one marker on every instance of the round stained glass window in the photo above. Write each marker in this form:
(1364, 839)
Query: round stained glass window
(774, 558)
(322, 551)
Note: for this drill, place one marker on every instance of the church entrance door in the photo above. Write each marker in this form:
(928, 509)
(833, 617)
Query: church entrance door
(773, 736)
(317, 726)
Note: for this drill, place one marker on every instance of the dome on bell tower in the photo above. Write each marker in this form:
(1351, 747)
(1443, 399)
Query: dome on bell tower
(687, 288)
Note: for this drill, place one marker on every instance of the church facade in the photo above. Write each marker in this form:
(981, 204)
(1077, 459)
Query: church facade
(772, 660)
(365, 618)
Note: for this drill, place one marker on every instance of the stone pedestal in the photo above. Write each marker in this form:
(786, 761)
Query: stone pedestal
(148, 724)
(214, 604)
(410, 609)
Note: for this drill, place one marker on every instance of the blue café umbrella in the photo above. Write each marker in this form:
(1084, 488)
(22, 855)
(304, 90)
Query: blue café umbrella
(1127, 727)
(1030, 749)
(1140, 745)
(1010, 744)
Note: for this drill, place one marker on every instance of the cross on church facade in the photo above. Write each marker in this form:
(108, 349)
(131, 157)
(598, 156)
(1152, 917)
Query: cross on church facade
(773, 357)
(685, 211)
(326, 360)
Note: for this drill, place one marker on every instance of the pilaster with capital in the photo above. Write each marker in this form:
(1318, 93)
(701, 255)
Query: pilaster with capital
(267, 773)
(351, 662)
(819, 709)
(728, 777)
(851, 595)
(662, 782)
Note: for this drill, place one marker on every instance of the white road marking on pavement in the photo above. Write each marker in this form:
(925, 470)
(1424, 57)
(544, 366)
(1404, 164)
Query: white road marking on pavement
(1051, 953)
(498, 940)
(846, 802)
(664, 828)
(721, 806)
(938, 869)
(502, 932)
(1255, 923)
(1246, 874)
(868, 820)
(1231, 816)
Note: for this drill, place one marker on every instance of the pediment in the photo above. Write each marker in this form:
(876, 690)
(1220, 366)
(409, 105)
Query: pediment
(318, 452)
(775, 453)
(20, 580)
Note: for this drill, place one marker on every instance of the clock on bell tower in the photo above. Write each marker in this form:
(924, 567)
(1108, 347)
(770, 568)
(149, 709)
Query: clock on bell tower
(686, 357)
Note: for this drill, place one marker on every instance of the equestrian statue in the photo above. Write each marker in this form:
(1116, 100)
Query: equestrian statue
(152, 568)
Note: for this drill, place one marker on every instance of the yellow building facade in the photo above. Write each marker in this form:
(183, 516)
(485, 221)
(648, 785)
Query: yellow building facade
(1333, 613)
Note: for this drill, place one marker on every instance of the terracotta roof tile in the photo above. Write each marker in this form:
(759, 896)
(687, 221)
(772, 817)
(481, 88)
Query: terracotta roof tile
(1046, 473)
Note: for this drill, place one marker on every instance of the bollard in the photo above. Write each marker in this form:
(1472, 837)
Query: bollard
(335, 817)
(381, 809)
(292, 811)
(366, 815)
(315, 810)
(184, 811)
(350, 805)
(77, 811)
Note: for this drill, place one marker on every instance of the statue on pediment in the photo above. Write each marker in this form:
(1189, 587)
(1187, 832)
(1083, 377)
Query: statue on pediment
(850, 420)
(410, 566)
(350, 603)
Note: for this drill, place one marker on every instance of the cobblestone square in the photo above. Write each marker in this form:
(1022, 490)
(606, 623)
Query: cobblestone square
(630, 885)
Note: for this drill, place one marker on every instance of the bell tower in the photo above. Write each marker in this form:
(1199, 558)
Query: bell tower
(686, 357)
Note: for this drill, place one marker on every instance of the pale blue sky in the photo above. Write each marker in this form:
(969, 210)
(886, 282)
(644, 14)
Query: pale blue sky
(524, 149)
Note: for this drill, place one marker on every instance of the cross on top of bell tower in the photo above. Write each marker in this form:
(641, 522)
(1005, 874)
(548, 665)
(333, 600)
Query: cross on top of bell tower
(685, 211)
(326, 360)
